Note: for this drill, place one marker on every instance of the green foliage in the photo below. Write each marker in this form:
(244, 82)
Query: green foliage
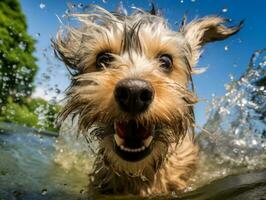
(35, 113)
(46, 112)
(17, 71)
(19, 114)
(17, 64)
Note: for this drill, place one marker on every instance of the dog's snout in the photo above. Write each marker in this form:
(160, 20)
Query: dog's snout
(134, 95)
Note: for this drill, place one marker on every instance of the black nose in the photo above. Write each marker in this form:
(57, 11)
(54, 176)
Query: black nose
(133, 95)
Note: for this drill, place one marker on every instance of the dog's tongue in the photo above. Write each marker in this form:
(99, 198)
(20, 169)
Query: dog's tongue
(132, 130)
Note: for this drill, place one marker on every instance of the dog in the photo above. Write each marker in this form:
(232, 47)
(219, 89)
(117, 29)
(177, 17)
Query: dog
(132, 91)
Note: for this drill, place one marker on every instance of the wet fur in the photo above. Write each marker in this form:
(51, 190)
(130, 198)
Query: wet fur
(135, 42)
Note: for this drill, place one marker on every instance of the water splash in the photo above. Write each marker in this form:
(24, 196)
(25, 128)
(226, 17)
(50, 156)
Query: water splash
(234, 140)
(72, 151)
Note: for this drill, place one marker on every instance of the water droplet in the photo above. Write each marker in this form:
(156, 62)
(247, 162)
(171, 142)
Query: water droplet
(244, 101)
(67, 12)
(44, 192)
(38, 34)
(42, 5)
(71, 6)
(121, 9)
(225, 9)
(226, 48)
(22, 46)
(235, 150)
(231, 76)
(57, 91)
(235, 65)
(80, 5)
(104, 1)
(193, 1)
(181, 1)
(254, 142)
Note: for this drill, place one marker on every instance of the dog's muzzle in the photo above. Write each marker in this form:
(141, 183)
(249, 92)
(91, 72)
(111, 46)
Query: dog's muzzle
(133, 140)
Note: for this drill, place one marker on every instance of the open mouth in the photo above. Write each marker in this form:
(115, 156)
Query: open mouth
(133, 141)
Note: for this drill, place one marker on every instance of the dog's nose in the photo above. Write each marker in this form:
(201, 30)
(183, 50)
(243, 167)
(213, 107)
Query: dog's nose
(134, 95)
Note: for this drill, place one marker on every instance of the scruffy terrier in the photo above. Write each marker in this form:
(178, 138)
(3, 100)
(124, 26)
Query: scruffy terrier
(133, 92)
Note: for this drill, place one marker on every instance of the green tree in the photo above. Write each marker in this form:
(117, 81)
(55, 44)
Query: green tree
(36, 113)
(17, 63)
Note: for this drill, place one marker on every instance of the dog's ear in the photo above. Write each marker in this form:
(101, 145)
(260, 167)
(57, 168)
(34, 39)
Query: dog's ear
(204, 30)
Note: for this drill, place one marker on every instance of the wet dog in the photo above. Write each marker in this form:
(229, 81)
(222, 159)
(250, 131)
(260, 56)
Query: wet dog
(133, 93)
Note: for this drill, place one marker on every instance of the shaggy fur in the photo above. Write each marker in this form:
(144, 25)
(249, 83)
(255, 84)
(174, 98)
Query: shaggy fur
(135, 43)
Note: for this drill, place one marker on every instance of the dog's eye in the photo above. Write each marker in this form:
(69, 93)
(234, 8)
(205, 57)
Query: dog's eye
(166, 62)
(103, 60)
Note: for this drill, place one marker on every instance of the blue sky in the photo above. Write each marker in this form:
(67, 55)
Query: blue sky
(222, 58)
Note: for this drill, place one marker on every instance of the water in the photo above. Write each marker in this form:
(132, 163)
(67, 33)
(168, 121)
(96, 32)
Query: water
(28, 170)
(233, 141)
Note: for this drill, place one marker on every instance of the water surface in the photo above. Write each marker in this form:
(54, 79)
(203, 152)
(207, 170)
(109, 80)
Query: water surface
(29, 169)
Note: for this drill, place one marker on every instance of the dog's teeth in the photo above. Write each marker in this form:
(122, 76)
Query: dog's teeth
(122, 147)
(147, 142)
(119, 141)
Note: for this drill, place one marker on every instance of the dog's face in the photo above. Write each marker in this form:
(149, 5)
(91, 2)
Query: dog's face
(132, 88)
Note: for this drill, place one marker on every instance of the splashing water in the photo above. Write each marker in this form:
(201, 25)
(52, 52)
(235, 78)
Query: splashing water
(234, 138)
(72, 151)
